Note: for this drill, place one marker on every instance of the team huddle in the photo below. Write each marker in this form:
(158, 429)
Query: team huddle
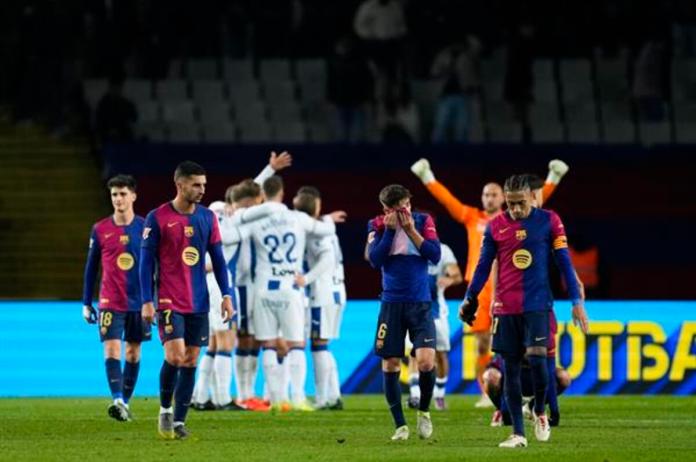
(278, 278)
(249, 275)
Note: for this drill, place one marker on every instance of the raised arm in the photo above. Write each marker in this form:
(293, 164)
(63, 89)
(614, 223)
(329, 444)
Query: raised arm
(458, 211)
(557, 169)
(276, 163)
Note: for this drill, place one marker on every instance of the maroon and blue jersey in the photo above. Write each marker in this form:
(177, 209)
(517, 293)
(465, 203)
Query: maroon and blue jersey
(523, 249)
(404, 266)
(173, 257)
(117, 249)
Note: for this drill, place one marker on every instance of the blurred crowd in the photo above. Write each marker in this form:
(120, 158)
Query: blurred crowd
(374, 47)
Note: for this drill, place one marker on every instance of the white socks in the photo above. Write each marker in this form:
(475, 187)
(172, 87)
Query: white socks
(273, 374)
(322, 371)
(440, 384)
(414, 387)
(201, 391)
(222, 377)
(245, 369)
(334, 388)
(297, 362)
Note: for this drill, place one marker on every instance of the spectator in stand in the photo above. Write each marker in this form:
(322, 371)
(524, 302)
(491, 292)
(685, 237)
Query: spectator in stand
(115, 115)
(350, 89)
(381, 24)
(457, 67)
(519, 78)
(649, 81)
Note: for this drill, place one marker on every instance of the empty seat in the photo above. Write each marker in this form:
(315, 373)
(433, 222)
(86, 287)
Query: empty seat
(585, 111)
(498, 111)
(148, 111)
(685, 132)
(311, 71)
(549, 131)
(617, 111)
(655, 133)
(543, 70)
(208, 91)
(292, 132)
(619, 131)
(202, 68)
(612, 80)
(171, 90)
(285, 112)
(137, 90)
(238, 70)
(510, 132)
(545, 91)
(215, 112)
(178, 111)
(494, 90)
(312, 92)
(242, 94)
(153, 132)
(425, 92)
(575, 70)
(255, 133)
(176, 69)
(253, 113)
(274, 70)
(321, 132)
(220, 132)
(577, 91)
(184, 133)
(583, 132)
(94, 90)
(544, 112)
(280, 91)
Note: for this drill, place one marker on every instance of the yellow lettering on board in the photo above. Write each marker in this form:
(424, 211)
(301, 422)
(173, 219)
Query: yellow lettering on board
(655, 351)
(683, 359)
(605, 330)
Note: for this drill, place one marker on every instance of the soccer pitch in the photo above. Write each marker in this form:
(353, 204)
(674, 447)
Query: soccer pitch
(635, 428)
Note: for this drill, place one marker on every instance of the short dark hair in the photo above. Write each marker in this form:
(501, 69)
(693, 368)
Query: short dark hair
(534, 181)
(121, 181)
(393, 194)
(311, 190)
(306, 203)
(245, 189)
(188, 168)
(517, 183)
(272, 186)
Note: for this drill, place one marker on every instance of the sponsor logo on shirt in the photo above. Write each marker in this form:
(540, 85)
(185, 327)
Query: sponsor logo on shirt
(108, 235)
(522, 259)
(188, 231)
(125, 261)
(190, 256)
(169, 225)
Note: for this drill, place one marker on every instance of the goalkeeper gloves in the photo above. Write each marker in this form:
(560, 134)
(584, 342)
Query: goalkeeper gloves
(89, 314)
(557, 169)
(422, 170)
(467, 310)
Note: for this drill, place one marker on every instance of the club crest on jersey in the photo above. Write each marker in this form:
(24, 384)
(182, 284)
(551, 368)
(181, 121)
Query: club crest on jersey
(125, 261)
(190, 256)
(168, 329)
(188, 231)
(522, 259)
(124, 239)
(521, 234)
(103, 330)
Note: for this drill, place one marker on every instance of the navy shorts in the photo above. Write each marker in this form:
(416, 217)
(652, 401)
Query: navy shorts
(514, 333)
(397, 318)
(123, 325)
(192, 327)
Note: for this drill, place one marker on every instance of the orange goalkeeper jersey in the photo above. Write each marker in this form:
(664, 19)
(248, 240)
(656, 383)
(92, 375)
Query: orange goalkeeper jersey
(473, 219)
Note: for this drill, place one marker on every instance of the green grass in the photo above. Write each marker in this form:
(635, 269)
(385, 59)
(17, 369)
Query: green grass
(632, 428)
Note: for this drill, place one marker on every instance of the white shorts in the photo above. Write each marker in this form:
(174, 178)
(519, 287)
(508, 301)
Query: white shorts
(442, 334)
(279, 310)
(215, 322)
(324, 322)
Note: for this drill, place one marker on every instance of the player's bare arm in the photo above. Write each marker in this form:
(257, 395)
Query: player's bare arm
(453, 276)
